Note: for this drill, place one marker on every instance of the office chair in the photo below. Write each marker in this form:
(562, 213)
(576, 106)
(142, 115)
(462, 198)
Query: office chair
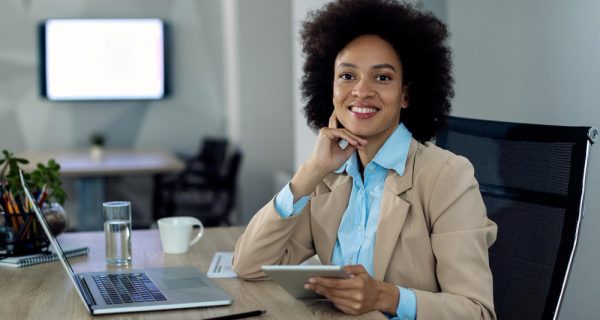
(210, 200)
(202, 168)
(532, 179)
(209, 161)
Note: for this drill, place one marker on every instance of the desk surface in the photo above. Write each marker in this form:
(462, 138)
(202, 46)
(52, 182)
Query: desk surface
(45, 292)
(113, 162)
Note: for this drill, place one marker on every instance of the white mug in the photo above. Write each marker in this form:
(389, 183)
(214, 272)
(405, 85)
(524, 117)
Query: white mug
(175, 233)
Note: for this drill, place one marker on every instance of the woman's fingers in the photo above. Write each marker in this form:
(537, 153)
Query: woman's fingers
(337, 134)
(333, 121)
(344, 303)
(333, 133)
(341, 294)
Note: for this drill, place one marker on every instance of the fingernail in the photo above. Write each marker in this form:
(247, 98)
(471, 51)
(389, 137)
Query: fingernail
(307, 286)
(311, 280)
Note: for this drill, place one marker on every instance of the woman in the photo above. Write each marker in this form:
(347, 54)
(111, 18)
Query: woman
(404, 217)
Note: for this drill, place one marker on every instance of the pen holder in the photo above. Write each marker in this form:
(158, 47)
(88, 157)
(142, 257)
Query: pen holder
(21, 234)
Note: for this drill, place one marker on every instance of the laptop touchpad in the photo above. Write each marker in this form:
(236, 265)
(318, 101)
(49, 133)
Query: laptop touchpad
(184, 283)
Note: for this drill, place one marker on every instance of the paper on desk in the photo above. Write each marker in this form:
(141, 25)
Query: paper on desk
(220, 266)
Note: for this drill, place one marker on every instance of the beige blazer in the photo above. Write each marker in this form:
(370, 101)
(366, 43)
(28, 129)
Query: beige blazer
(433, 234)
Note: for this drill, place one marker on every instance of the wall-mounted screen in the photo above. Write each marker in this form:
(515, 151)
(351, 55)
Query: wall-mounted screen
(102, 59)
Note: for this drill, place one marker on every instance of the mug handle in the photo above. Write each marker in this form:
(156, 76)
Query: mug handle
(200, 233)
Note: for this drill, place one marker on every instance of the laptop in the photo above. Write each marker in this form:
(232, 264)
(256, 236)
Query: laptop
(136, 290)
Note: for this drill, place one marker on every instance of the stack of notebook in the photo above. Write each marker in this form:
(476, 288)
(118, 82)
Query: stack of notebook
(28, 260)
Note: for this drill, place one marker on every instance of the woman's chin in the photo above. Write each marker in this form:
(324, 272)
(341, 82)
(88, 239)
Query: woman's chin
(360, 131)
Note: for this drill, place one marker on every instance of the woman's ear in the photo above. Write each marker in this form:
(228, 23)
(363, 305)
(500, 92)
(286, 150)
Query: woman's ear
(404, 103)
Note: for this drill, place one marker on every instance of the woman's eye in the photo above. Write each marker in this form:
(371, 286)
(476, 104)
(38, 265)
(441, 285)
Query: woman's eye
(383, 77)
(346, 76)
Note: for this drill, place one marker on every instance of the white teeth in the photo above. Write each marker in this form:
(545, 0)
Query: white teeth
(363, 110)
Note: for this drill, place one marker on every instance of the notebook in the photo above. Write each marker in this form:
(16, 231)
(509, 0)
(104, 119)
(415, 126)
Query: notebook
(28, 260)
(136, 290)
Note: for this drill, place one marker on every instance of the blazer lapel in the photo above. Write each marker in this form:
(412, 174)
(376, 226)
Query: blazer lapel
(326, 214)
(394, 210)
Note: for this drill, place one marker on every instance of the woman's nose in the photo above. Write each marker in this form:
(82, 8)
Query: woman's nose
(362, 89)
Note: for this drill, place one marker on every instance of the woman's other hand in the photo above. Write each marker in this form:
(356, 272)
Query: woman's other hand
(326, 157)
(358, 294)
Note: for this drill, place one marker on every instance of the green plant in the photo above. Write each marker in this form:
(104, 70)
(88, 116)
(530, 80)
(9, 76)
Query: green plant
(45, 175)
(97, 139)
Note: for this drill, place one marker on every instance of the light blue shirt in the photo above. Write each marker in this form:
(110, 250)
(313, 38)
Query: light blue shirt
(356, 235)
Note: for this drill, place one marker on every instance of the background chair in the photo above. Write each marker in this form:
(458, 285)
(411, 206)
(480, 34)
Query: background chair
(208, 163)
(532, 179)
(203, 168)
(210, 197)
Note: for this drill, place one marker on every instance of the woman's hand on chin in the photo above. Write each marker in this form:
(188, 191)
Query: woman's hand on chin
(327, 154)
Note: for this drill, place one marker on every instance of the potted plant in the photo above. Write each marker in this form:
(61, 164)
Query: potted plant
(44, 183)
(97, 146)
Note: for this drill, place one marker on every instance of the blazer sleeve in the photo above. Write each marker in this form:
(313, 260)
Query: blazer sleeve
(460, 236)
(270, 239)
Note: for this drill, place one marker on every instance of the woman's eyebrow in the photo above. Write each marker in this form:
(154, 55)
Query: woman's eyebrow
(375, 67)
(346, 65)
(384, 66)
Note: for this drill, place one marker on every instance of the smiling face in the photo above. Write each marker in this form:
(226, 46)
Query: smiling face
(368, 92)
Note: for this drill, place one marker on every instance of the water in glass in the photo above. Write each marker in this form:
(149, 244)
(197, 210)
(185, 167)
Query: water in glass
(118, 242)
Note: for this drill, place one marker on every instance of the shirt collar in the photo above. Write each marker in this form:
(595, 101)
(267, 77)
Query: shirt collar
(392, 154)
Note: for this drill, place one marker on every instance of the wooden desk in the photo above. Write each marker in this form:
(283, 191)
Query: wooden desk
(91, 174)
(45, 292)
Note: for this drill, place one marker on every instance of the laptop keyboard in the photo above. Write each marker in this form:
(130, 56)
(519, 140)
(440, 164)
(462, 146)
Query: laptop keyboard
(127, 288)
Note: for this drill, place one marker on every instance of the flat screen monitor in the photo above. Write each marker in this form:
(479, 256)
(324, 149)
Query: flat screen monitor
(102, 59)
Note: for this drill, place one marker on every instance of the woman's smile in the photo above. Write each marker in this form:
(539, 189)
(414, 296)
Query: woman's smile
(362, 111)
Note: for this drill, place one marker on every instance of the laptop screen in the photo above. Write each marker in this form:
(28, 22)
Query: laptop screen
(57, 248)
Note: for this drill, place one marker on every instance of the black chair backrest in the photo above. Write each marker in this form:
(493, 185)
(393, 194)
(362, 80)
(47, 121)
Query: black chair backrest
(232, 169)
(213, 150)
(532, 179)
(228, 185)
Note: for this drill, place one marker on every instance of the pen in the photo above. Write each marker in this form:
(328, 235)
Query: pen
(239, 315)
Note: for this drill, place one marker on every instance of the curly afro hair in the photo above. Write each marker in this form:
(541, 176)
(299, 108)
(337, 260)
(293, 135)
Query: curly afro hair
(419, 39)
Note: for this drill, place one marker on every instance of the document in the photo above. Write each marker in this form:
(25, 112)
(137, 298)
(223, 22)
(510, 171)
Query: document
(221, 265)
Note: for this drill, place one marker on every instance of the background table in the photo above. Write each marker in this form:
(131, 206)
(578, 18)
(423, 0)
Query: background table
(45, 292)
(91, 175)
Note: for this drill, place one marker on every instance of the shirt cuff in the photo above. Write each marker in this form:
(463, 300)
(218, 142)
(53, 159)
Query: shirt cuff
(284, 203)
(407, 306)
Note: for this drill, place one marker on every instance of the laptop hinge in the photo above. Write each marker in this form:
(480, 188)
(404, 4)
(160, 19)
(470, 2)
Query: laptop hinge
(87, 295)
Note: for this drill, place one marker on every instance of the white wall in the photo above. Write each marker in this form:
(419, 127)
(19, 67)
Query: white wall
(265, 98)
(304, 137)
(537, 61)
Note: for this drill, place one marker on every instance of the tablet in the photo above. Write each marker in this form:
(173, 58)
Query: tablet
(293, 277)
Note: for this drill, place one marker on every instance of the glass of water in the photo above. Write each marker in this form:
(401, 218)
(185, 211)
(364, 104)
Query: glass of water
(117, 231)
